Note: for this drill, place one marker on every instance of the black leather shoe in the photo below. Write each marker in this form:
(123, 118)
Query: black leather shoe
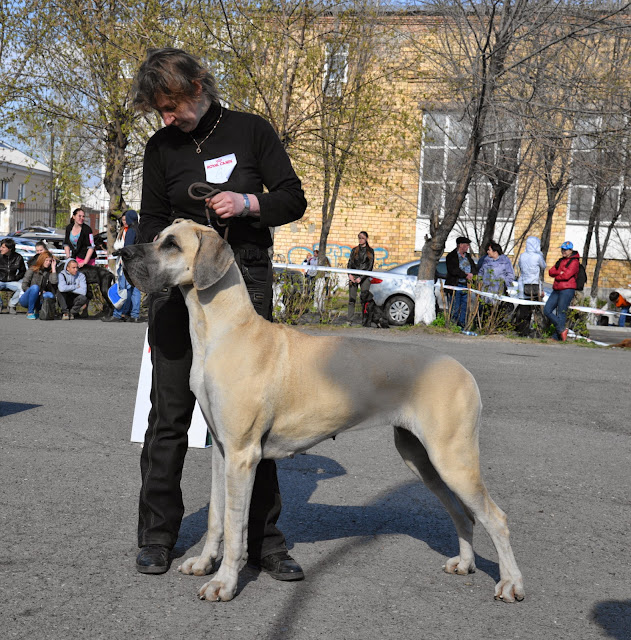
(281, 566)
(153, 558)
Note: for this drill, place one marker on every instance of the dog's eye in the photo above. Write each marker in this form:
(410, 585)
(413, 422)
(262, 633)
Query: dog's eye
(170, 243)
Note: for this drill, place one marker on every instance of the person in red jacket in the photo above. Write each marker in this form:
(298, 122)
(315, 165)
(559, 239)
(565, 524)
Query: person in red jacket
(564, 273)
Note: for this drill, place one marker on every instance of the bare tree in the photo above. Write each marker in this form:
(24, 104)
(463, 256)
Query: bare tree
(484, 50)
(85, 59)
(316, 70)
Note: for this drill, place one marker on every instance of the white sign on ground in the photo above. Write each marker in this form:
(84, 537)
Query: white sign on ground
(197, 434)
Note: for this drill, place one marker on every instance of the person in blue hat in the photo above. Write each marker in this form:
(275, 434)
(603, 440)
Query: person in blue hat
(564, 273)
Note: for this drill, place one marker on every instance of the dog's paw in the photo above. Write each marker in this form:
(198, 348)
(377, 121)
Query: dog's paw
(459, 567)
(196, 566)
(217, 591)
(509, 590)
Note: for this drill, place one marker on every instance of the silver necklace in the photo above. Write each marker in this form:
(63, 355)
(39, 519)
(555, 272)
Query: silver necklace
(199, 144)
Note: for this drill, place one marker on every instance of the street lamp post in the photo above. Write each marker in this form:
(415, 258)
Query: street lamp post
(52, 200)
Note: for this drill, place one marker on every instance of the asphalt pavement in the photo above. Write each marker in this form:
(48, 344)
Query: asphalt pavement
(555, 448)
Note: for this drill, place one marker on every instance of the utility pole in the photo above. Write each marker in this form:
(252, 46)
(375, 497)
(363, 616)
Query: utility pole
(52, 213)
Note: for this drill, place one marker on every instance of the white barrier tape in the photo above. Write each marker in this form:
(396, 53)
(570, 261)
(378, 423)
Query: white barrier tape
(386, 275)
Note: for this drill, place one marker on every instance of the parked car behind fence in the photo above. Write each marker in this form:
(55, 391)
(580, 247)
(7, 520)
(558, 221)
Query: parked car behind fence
(396, 295)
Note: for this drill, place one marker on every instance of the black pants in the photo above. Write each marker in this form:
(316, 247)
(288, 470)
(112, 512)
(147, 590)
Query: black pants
(524, 312)
(71, 302)
(172, 402)
(364, 285)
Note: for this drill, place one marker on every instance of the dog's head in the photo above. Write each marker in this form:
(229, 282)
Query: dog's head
(365, 297)
(186, 253)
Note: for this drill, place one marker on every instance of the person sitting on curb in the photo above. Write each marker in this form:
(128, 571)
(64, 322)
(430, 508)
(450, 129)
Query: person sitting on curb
(564, 273)
(40, 247)
(12, 270)
(622, 299)
(38, 284)
(72, 293)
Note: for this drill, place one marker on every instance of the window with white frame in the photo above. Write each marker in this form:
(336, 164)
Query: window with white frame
(22, 193)
(444, 144)
(590, 156)
(335, 69)
(4, 189)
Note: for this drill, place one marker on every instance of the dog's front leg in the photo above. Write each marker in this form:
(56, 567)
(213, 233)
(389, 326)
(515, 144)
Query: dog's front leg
(202, 565)
(240, 470)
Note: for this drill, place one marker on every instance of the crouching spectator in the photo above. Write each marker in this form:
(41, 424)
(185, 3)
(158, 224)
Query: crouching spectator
(38, 284)
(72, 291)
(12, 270)
(622, 299)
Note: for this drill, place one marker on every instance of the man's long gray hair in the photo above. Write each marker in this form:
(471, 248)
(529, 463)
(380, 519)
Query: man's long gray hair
(171, 73)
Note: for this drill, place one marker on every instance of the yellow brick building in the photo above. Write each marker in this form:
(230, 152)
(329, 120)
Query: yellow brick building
(393, 216)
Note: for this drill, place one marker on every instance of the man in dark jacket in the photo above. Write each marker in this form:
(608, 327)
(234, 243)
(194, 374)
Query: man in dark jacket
(12, 270)
(460, 270)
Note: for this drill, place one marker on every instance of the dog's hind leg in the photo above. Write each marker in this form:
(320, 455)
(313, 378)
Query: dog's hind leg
(415, 457)
(203, 564)
(449, 430)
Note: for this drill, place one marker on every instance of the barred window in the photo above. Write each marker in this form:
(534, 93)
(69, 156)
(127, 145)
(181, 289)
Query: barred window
(444, 144)
(590, 151)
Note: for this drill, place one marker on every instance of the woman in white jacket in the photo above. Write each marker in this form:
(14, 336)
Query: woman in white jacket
(532, 266)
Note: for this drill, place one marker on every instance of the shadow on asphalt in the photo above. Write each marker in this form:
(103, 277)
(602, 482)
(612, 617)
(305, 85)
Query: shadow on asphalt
(614, 617)
(9, 408)
(408, 509)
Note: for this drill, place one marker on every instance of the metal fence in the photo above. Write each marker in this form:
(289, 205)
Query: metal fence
(27, 215)
(24, 215)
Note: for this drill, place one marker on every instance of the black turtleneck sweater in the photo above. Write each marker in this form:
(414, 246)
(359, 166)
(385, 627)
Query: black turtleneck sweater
(171, 165)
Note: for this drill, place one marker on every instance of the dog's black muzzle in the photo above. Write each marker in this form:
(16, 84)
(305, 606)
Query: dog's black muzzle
(133, 264)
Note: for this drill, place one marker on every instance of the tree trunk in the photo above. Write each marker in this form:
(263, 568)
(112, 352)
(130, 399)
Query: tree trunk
(594, 216)
(115, 144)
(602, 250)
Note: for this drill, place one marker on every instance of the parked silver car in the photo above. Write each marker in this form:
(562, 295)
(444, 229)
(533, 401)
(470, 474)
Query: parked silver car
(396, 296)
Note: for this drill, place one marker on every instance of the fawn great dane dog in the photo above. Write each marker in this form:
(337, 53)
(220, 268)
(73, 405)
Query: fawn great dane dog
(245, 373)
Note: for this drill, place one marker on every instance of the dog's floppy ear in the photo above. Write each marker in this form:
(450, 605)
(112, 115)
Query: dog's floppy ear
(213, 259)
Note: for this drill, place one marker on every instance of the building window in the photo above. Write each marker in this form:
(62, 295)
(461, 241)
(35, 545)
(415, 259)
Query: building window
(335, 69)
(4, 189)
(590, 156)
(444, 144)
(22, 193)
(126, 184)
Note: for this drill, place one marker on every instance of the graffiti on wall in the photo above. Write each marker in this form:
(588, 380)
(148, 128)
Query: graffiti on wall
(338, 255)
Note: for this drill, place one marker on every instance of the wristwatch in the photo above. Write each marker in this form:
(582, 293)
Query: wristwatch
(246, 206)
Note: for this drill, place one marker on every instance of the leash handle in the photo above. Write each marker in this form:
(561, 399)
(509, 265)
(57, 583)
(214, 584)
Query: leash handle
(203, 191)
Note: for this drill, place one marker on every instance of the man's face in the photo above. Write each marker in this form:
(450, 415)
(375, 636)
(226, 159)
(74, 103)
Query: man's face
(185, 114)
(39, 249)
(566, 253)
(4, 249)
(463, 248)
(72, 268)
